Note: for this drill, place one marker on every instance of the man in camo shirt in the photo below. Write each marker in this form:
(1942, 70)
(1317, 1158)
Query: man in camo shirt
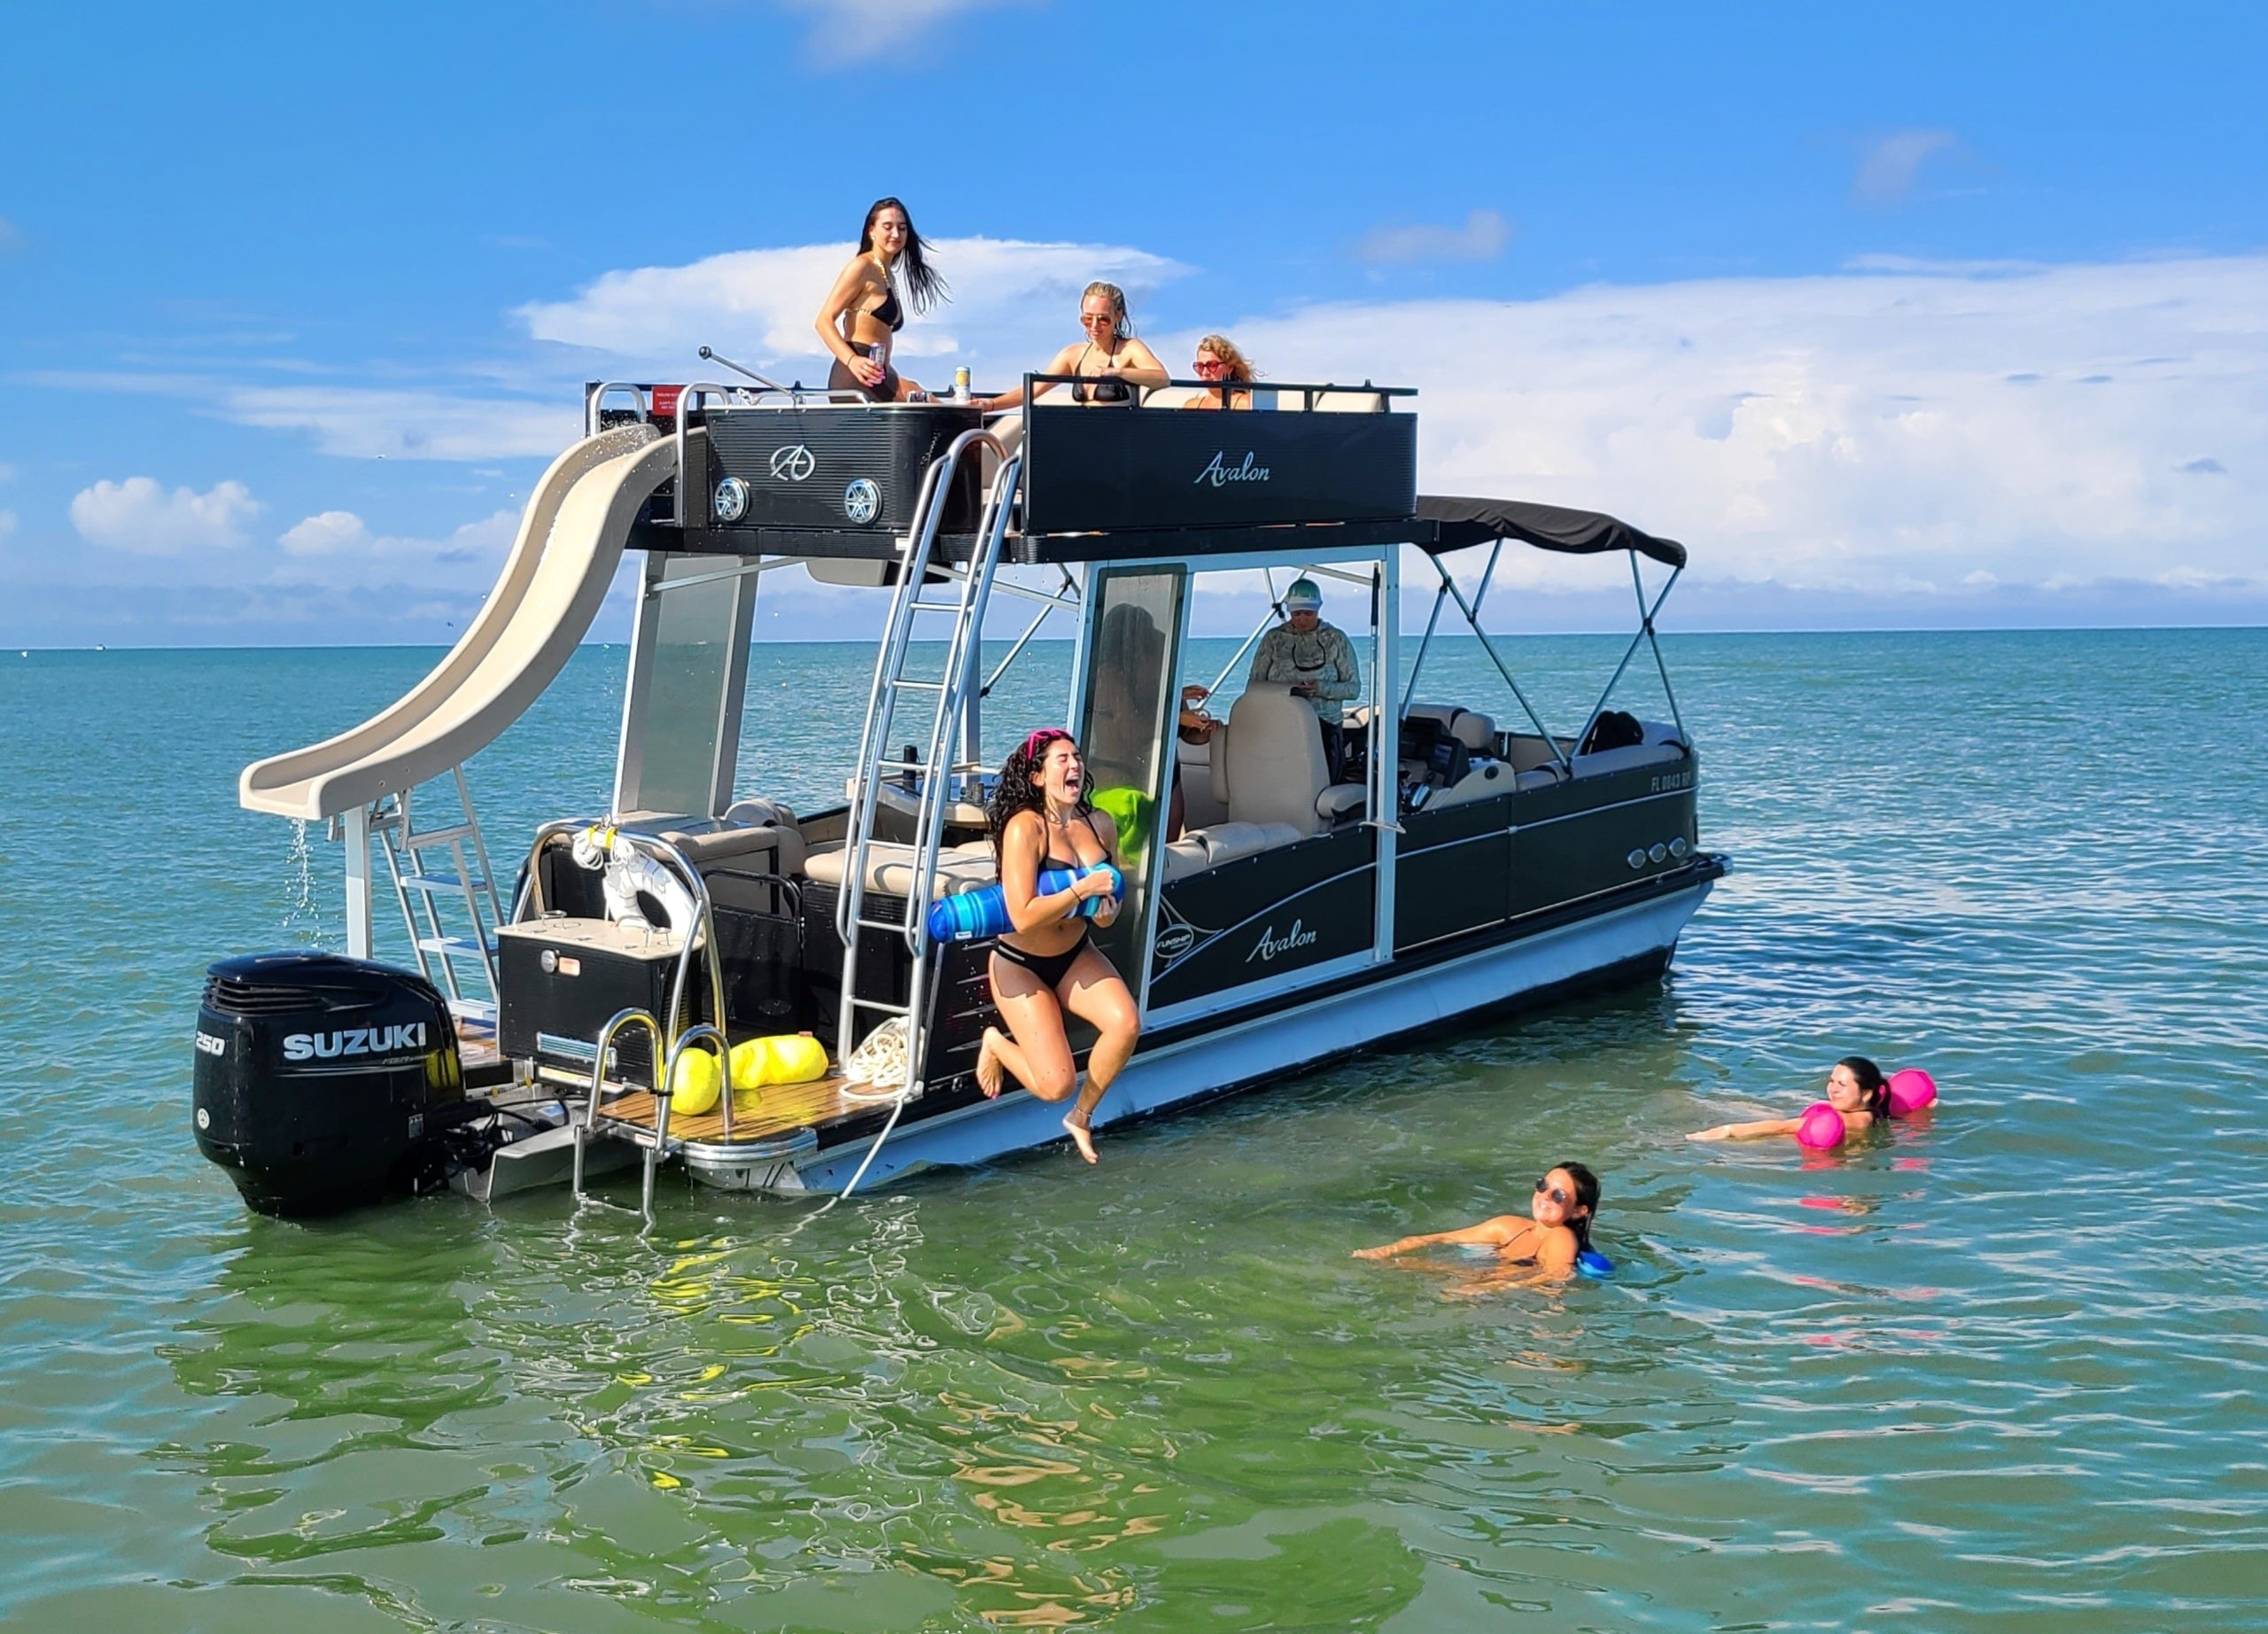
(1316, 660)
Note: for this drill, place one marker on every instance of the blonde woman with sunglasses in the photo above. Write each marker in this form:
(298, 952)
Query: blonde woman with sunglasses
(1109, 356)
(1220, 363)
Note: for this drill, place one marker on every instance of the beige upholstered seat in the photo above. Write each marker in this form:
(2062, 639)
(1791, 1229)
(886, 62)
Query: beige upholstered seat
(770, 848)
(1272, 768)
(890, 867)
(1201, 849)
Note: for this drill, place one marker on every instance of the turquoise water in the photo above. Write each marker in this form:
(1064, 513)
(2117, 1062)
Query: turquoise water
(2002, 1371)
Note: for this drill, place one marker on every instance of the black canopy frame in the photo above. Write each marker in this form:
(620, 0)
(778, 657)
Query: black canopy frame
(1464, 523)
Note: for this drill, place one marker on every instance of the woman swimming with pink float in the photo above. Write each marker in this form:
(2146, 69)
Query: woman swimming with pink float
(1857, 1097)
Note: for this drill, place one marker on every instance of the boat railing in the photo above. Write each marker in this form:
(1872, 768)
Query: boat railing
(1309, 393)
(588, 1123)
(689, 403)
(593, 403)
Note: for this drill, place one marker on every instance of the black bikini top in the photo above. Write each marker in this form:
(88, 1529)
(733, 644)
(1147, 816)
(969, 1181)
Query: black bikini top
(1050, 863)
(889, 313)
(1107, 392)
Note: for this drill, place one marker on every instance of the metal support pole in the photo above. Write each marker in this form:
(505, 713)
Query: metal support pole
(1502, 668)
(1660, 663)
(1645, 632)
(357, 828)
(1386, 735)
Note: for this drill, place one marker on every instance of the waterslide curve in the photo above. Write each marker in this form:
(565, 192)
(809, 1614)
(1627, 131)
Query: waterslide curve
(564, 559)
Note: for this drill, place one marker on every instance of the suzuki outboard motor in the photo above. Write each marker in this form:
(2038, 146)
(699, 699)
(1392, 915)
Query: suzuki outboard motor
(323, 1083)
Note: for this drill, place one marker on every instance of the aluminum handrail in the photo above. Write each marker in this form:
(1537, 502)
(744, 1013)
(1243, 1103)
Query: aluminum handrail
(700, 1032)
(620, 1019)
(688, 404)
(897, 636)
(1310, 391)
(662, 851)
(963, 662)
(591, 403)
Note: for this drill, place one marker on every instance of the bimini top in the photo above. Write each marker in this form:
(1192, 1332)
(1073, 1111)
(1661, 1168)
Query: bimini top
(1464, 522)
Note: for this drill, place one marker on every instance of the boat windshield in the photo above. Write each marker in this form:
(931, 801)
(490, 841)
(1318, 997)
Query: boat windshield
(1137, 624)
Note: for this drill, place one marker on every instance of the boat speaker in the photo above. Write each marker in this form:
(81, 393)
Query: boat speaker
(323, 1083)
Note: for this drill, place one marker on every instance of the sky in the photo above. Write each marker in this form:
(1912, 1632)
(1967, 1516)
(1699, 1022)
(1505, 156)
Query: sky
(1912, 317)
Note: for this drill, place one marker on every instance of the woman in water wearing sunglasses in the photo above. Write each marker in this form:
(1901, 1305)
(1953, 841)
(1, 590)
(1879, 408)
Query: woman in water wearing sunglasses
(1557, 1229)
(1047, 965)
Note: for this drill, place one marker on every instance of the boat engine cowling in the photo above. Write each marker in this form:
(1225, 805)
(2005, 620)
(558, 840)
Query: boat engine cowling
(325, 1082)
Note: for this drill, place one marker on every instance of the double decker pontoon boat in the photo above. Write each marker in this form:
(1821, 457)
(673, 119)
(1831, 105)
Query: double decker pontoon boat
(1457, 864)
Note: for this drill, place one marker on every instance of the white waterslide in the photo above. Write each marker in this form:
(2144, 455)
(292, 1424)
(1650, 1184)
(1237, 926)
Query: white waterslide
(570, 543)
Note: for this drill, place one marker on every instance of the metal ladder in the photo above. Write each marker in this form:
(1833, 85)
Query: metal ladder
(953, 692)
(420, 887)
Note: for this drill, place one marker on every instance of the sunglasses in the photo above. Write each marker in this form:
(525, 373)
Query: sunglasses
(1208, 365)
(1544, 1188)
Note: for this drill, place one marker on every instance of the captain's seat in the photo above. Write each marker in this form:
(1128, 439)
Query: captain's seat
(1270, 774)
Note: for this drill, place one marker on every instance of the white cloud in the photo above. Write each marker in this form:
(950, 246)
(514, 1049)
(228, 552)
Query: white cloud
(138, 516)
(368, 423)
(1481, 238)
(1842, 433)
(1012, 303)
(337, 547)
(326, 534)
(844, 32)
(1890, 165)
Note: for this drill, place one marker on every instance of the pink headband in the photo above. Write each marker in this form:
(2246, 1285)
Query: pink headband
(1040, 740)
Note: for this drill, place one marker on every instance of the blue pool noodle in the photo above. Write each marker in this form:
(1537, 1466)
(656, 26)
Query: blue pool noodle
(969, 915)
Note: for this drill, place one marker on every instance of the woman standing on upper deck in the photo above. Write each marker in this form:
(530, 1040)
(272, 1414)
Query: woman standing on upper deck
(862, 314)
(1109, 354)
(1047, 965)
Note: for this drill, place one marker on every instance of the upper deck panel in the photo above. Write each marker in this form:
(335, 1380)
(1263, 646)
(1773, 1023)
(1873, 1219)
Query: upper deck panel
(1310, 467)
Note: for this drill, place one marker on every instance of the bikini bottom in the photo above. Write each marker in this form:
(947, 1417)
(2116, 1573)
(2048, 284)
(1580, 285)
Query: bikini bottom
(1050, 968)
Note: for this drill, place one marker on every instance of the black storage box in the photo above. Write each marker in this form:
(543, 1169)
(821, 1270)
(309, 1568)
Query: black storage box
(842, 468)
(560, 980)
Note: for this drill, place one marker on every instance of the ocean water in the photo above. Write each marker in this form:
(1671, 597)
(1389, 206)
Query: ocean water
(2003, 1370)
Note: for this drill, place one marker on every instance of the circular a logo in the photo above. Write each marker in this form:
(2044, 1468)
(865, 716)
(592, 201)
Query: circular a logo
(862, 502)
(1175, 940)
(793, 463)
(203, 1118)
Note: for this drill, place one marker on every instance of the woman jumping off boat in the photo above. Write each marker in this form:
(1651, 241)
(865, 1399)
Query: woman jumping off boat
(862, 314)
(1040, 820)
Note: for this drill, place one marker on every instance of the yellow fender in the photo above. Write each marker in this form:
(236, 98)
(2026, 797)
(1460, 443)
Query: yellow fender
(696, 1085)
(785, 1058)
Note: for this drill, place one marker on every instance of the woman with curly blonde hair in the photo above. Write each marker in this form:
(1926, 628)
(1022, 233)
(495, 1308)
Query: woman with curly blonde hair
(1218, 359)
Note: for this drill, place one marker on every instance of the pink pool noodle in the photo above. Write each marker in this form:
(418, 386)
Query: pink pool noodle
(1820, 1127)
(1910, 1090)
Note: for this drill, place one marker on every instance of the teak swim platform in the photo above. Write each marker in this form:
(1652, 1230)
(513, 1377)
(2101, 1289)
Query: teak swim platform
(1457, 859)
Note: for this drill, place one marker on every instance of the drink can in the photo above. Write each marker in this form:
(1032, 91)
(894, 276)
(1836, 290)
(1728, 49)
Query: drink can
(961, 384)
